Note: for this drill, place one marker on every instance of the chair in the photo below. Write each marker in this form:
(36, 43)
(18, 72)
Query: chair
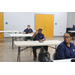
(67, 29)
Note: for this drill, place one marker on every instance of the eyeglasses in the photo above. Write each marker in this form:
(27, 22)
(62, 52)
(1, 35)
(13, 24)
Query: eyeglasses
(67, 37)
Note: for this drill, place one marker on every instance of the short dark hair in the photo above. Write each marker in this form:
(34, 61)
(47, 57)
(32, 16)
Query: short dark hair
(28, 25)
(73, 25)
(69, 34)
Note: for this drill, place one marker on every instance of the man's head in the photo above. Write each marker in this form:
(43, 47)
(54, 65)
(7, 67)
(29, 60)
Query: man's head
(67, 37)
(28, 26)
(73, 26)
(40, 30)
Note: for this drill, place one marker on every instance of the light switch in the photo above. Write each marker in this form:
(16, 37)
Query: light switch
(60, 32)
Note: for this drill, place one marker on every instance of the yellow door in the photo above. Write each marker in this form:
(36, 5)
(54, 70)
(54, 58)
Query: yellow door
(1, 25)
(46, 23)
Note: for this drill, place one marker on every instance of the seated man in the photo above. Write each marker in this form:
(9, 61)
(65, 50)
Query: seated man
(73, 29)
(38, 36)
(28, 30)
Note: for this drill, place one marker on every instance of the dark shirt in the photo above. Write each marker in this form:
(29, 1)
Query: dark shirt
(64, 52)
(39, 36)
(72, 29)
(28, 31)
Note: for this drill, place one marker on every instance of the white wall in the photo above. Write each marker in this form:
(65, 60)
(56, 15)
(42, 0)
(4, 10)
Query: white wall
(70, 19)
(74, 19)
(19, 21)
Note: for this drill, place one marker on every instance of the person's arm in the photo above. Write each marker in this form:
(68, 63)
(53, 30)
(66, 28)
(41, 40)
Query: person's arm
(72, 29)
(34, 35)
(24, 32)
(60, 52)
(30, 33)
(42, 39)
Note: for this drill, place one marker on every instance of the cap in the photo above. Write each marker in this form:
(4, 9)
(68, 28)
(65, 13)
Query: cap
(40, 29)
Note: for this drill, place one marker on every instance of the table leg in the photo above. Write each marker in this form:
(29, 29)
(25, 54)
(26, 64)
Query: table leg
(55, 47)
(15, 37)
(12, 42)
(18, 58)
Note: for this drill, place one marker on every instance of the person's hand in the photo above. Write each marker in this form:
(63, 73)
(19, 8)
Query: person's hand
(39, 40)
(36, 32)
(29, 33)
(24, 32)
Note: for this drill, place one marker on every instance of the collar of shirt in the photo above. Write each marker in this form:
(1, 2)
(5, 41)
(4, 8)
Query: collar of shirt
(66, 44)
(29, 29)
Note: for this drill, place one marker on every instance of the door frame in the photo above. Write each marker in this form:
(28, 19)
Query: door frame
(44, 14)
(3, 23)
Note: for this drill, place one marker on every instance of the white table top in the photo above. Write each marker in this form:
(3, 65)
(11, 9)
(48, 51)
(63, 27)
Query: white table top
(21, 35)
(63, 60)
(10, 31)
(5, 31)
(36, 43)
(13, 31)
(71, 31)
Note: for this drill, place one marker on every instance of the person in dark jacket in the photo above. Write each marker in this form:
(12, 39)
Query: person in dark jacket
(72, 29)
(66, 49)
(38, 36)
(28, 30)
